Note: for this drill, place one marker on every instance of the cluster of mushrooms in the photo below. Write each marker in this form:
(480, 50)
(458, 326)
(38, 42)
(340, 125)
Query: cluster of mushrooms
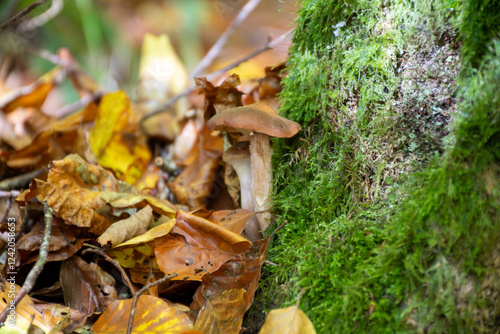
(251, 157)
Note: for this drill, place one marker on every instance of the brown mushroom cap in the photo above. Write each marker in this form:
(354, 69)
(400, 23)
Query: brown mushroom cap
(254, 118)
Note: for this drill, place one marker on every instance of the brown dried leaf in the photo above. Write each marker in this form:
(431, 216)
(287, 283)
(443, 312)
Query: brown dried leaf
(126, 229)
(195, 184)
(222, 97)
(73, 207)
(233, 220)
(240, 272)
(223, 312)
(196, 247)
(152, 315)
(86, 286)
(288, 320)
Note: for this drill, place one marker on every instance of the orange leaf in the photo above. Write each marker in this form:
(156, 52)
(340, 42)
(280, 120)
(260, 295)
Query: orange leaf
(223, 313)
(241, 272)
(196, 247)
(152, 315)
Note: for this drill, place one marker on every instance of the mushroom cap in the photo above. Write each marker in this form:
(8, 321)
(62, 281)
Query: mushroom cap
(254, 118)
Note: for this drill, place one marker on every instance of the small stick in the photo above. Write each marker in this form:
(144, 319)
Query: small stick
(108, 258)
(139, 293)
(20, 180)
(81, 103)
(217, 47)
(55, 8)
(12, 193)
(40, 262)
(22, 13)
(211, 76)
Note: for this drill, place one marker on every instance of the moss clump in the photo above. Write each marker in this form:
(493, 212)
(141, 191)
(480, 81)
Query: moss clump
(392, 222)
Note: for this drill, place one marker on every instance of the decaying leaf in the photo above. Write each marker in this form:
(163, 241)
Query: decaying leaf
(115, 139)
(222, 97)
(75, 190)
(240, 272)
(74, 207)
(63, 136)
(197, 247)
(152, 315)
(288, 320)
(222, 313)
(86, 286)
(128, 228)
(196, 182)
(24, 313)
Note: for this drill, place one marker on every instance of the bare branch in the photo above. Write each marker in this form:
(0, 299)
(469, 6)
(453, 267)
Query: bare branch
(139, 293)
(19, 181)
(40, 262)
(217, 47)
(21, 14)
(213, 75)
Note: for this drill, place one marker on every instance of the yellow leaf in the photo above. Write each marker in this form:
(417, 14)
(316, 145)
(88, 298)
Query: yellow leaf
(24, 313)
(151, 315)
(288, 320)
(115, 141)
(138, 252)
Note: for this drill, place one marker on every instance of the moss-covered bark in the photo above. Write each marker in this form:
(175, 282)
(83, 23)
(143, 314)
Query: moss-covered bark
(392, 193)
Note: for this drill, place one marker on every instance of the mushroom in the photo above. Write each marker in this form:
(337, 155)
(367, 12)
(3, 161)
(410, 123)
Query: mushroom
(260, 122)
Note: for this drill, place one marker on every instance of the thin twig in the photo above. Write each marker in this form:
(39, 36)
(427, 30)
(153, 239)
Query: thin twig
(217, 47)
(40, 262)
(108, 258)
(213, 75)
(38, 21)
(278, 228)
(12, 193)
(19, 181)
(21, 14)
(139, 293)
(81, 103)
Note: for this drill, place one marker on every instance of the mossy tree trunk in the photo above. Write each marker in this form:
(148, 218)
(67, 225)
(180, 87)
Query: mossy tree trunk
(392, 192)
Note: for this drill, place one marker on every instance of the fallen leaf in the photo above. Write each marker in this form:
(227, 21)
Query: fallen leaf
(233, 220)
(288, 320)
(74, 207)
(161, 76)
(240, 272)
(115, 139)
(195, 184)
(128, 228)
(86, 286)
(196, 247)
(24, 313)
(222, 313)
(152, 315)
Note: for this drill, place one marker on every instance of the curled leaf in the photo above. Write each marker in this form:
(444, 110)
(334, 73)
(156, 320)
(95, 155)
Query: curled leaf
(126, 229)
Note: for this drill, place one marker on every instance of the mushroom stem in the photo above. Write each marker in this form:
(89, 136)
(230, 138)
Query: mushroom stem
(242, 168)
(262, 177)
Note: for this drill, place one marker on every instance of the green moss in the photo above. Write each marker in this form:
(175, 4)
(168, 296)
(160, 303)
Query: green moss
(391, 219)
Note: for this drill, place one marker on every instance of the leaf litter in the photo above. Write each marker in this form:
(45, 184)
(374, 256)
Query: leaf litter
(167, 216)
